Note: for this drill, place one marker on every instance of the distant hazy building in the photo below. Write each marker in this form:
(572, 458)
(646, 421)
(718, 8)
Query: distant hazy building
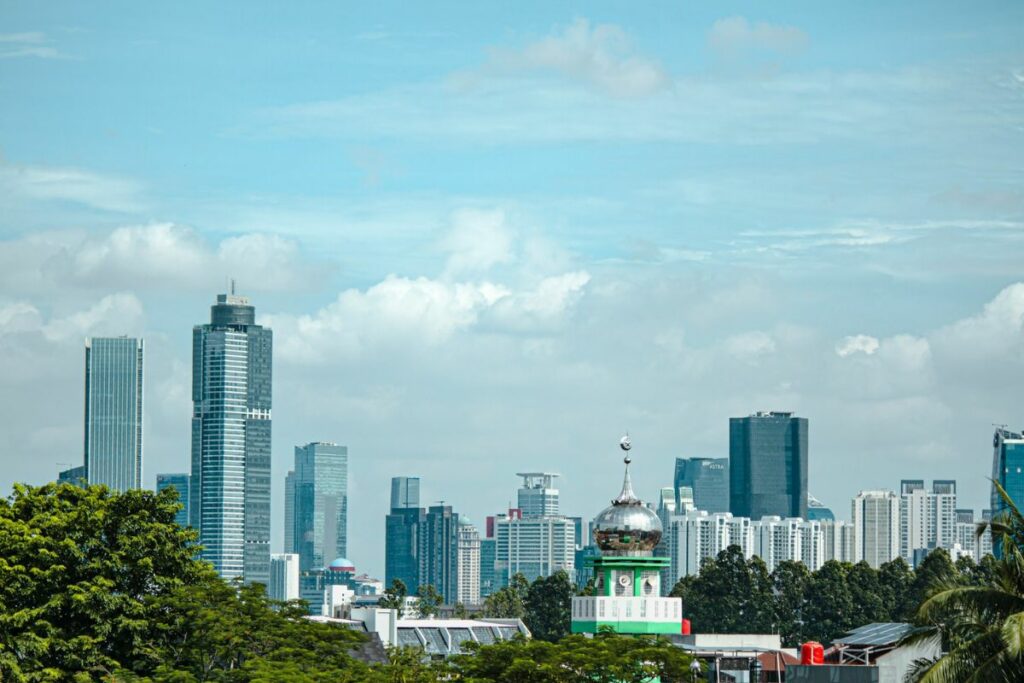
(538, 496)
(837, 540)
(876, 527)
(289, 512)
(401, 534)
(439, 550)
(488, 556)
(768, 465)
(113, 412)
(817, 511)
(320, 504)
(964, 539)
(533, 546)
(180, 483)
(231, 396)
(75, 475)
(284, 577)
(778, 540)
(469, 563)
(985, 540)
(1007, 469)
(695, 535)
(708, 479)
(927, 517)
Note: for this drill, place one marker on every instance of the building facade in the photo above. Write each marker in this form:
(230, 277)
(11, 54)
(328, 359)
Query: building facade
(319, 504)
(469, 563)
(284, 577)
(538, 496)
(1007, 470)
(231, 419)
(113, 412)
(179, 481)
(533, 546)
(401, 533)
(927, 517)
(74, 475)
(439, 550)
(697, 535)
(708, 480)
(837, 540)
(876, 527)
(768, 465)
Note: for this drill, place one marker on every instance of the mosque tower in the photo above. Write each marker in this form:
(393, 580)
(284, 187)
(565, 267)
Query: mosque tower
(627, 575)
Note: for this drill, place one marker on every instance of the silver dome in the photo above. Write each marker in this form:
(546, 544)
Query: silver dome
(627, 527)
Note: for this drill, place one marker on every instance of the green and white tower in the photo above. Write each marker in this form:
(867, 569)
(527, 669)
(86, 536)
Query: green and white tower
(627, 575)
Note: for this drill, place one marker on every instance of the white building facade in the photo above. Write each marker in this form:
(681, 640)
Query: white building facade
(284, 577)
(876, 527)
(469, 563)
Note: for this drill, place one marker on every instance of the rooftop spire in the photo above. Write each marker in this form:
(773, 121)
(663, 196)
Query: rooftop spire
(627, 497)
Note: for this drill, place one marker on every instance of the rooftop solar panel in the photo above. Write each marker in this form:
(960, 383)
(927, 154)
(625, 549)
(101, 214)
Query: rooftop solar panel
(876, 634)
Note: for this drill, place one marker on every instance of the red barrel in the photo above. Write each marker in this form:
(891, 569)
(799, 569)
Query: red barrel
(812, 653)
(685, 628)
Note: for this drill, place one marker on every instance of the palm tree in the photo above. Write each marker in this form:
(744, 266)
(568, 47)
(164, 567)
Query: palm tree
(982, 626)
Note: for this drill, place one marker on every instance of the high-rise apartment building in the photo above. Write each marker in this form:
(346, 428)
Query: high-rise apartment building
(1007, 470)
(284, 577)
(179, 481)
(469, 563)
(319, 504)
(538, 496)
(401, 534)
(778, 540)
(231, 396)
(695, 535)
(708, 480)
(927, 517)
(113, 412)
(439, 550)
(837, 540)
(768, 465)
(876, 527)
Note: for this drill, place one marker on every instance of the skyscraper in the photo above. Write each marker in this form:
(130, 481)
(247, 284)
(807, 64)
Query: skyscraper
(439, 550)
(708, 479)
(469, 563)
(320, 504)
(113, 412)
(1008, 470)
(837, 539)
(231, 396)
(876, 527)
(180, 483)
(768, 465)
(538, 496)
(289, 512)
(533, 546)
(284, 577)
(927, 518)
(401, 535)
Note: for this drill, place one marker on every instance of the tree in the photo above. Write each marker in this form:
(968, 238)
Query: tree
(790, 582)
(548, 607)
(935, 569)
(429, 602)
(730, 595)
(830, 605)
(394, 596)
(982, 624)
(894, 579)
(508, 602)
(865, 595)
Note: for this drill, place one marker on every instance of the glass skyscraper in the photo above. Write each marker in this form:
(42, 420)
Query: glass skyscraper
(401, 534)
(1008, 470)
(180, 483)
(113, 412)
(320, 504)
(768, 465)
(231, 396)
(708, 479)
(439, 550)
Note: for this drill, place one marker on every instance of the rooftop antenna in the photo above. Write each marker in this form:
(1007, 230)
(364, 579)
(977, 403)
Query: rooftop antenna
(232, 286)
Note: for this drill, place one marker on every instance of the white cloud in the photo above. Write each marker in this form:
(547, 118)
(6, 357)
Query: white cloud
(600, 56)
(58, 184)
(478, 240)
(750, 345)
(114, 314)
(27, 44)
(860, 343)
(735, 35)
(19, 316)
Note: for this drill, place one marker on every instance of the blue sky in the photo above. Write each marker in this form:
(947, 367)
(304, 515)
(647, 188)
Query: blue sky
(487, 237)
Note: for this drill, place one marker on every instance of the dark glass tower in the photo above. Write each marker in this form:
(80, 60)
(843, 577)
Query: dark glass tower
(320, 500)
(230, 483)
(1008, 470)
(401, 534)
(709, 479)
(439, 550)
(768, 465)
(179, 482)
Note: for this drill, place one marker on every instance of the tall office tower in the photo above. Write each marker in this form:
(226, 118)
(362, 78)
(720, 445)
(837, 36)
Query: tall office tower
(876, 527)
(777, 540)
(284, 577)
(768, 465)
(837, 540)
(439, 550)
(1007, 470)
(696, 535)
(405, 492)
(469, 563)
(180, 483)
(231, 386)
(927, 518)
(538, 496)
(817, 511)
(113, 412)
(488, 556)
(289, 512)
(708, 479)
(533, 546)
(985, 540)
(320, 504)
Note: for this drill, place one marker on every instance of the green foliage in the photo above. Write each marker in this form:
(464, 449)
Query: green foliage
(605, 658)
(730, 595)
(394, 596)
(508, 602)
(429, 602)
(548, 606)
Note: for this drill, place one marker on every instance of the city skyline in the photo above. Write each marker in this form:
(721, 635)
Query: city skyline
(491, 244)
